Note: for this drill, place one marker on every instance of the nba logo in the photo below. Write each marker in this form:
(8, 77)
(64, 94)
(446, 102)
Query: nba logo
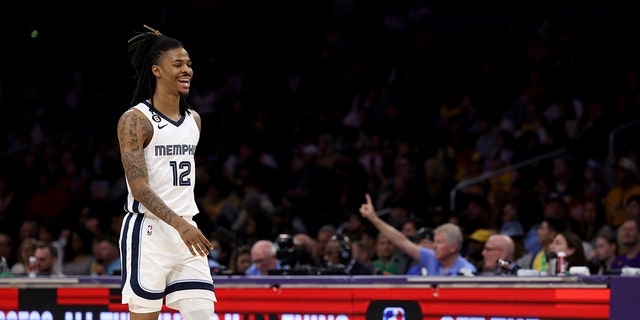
(393, 313)
(149, 230)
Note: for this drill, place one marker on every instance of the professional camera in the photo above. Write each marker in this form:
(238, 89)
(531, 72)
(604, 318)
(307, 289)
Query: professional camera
(289, 255)
(296, 261)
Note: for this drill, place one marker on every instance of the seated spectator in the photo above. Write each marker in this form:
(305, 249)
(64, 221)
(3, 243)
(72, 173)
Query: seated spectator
(78, 255)
(52, 231)
(364, 253)
(547, 231)
(512, 225)
(26, 249)
(264, 258)
(629, 238)
(632, 207)
(223, 241)
(571, 244)
(338, 257)
(387, 258)
(46, 259)
(107, 257)
(444, 259)
(474, 246)
(497, 246)
(409, 228)
(240, 260)
(606, 251)
(625, 186)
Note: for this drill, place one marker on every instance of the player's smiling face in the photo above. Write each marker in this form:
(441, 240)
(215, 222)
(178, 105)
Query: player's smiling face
(174, 72)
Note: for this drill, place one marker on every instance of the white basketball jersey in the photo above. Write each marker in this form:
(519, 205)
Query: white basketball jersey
(170, 162)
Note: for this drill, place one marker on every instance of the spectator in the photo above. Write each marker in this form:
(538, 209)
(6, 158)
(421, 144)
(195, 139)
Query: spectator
(606, 251)
(28, 229)
(434, 190)
(386, 258)
(78, 255)
(477, 215)
(571, 244)
(46, 259)
(632, 207)
(626, 185)
(51, 231)
(26, 249)
(595, 186)
(264, 258)
(50, 201)
(593, 223)
(338, 256)
(629, 238)
(497, 246)
(107, 257)
(364, 253)
(553, 206)
(473, 248)
(547, 231)
(353, 227)
(512, 225)
(223, 242)
(240, 260)
(444, 259)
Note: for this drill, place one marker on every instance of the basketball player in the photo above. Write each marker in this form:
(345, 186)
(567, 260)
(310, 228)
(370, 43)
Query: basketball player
(164, 254)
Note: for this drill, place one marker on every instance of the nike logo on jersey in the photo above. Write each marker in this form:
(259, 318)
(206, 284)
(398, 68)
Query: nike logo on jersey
(160, 127)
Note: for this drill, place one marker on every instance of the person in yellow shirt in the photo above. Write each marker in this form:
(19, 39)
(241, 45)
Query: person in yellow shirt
(547, 231)
(626, 186)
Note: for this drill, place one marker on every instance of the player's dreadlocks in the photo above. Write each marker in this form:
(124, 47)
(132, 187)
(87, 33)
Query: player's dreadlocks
(146, 49)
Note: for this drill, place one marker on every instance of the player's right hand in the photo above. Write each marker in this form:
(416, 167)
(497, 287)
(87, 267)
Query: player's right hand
(195, 241)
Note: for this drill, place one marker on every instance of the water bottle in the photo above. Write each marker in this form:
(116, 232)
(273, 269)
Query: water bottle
(4, 268)
(32, 267)
(552, 257)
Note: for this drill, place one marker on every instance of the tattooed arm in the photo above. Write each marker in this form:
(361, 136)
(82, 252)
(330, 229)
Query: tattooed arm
(134, 133)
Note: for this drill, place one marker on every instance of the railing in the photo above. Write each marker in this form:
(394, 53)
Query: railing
(490, 174)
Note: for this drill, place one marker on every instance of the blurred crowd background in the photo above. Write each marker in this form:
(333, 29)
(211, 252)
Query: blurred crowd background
(308, 105)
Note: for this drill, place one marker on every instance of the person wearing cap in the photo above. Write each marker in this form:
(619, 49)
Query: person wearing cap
(474, 245)
(626, 185)
(443, 260)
